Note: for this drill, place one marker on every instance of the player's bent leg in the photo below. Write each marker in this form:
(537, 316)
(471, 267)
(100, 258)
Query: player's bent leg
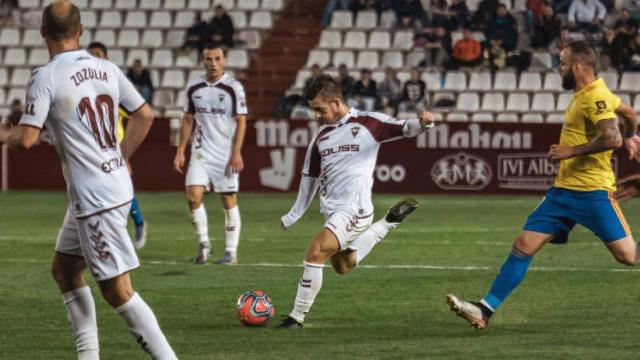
(626, 251)
(200, 222)
(344, 261)
(140, 319)
(232, 225)
(67, 271)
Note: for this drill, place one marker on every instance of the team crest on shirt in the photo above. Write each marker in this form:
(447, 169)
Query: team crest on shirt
(354, 131)
(221, 97)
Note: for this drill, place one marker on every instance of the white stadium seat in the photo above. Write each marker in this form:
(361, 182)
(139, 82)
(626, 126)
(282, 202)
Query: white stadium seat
(187, 60)
(301, 77)
(530, 81)
(518, 102)
(129, 38)
(101, 4)
(15, 56)
(251, 38)
(330, 40)
(20, 77)
(238, 59)
(480, 81)
(199, 4)
(542, 59)
(532, 118)
(414, 58)
(387, 19)
(543, 102)
(393, 59)
(379, 40)
(493, 102)
(4, 77)
(552, 81)
(368, 60)
(611, 79)
(555, 118)
(403, 40)
(9, 37)
(320, 57)
(261, 20)
(163, 98)
(135, 19)
(28, 4)
(32, 37)
(355, 40)
(247, 4)
(433, 80)
(181, 97)
(162, 58)
(175, 38)
(139, 54)
(625, 98)
(174, 4)
(116, 56)
(173, 79)
(227, 4)
(455, 80)
(199, 72)
(344, 57)
(86, 38)
(482, 117)
(505, 81)
(468, 101)
(564, 99)
(3, 112)
(342, 19)
(89, 19)
(152, 38)
(403, 76)
(184, 19)
(38, 57)
(126, 4)
(239, 19)
(366, 19)
(150, 5)
(272, 5)
(507, 117)
(107, 37)
(110, 19)
(457, 117)
(160, 19)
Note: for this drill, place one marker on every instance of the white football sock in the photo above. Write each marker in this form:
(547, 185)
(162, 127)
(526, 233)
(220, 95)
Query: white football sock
(308, 288)
(81, 313)
(145, 328)
(364, 243)
(232, 225)
(199, 219)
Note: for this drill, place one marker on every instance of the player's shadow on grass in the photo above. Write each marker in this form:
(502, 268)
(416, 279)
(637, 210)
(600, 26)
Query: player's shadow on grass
(173, 273)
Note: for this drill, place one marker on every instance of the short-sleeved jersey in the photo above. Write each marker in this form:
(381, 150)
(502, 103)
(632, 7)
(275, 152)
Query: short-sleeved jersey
(214, 107)
(77, 96)
(590, 105)
(343, 157)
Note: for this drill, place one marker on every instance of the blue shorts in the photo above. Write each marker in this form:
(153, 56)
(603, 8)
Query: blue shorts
(561, 209)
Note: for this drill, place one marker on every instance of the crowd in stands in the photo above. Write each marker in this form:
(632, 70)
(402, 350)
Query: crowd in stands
(219, 29)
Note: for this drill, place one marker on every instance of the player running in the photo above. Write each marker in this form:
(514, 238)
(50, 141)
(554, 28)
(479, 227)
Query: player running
(98, 49)
(339, 166)
(582, 192)
(217, 103)
(77, 96)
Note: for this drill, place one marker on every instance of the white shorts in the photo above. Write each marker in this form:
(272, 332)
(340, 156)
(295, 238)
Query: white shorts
(346, 225)
(214, 178)
(102, 240)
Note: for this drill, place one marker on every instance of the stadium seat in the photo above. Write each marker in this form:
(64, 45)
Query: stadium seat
(38, 57)
(174, 4)
(355, 40)
(542, 59)
(437, 96)
(135, 20)
(301, 77)
(392, 59)
(239, 19)
(480, 81)
(472, 5)
(155, 76)
(505, 81)
(85, 39)
(625, 98)
(160, 19)
(530, 81)
(368, 60)
(468, 101)
(162, 58)
(518, 102)
(126, 4)
(532, 118)
(193, 74)
(482, 117)
(506, 117)
(543, 102)
(152, 38)
(28, 4)
(3, 99)
(4, 77)
(379, 40)
(403, 76)
(366, 19)
(101, 4)
(636, 102)
(403, 40)
(251, 38)
(227, 4)
(107, 37)
(110, 19)
(187, 61)
(128, 38)
(387, 19)
(150, 5)
(455, 80)
(238, 59)
(555, 118)
(320, 57)
(344, 57)
(247, 5)
(20, 77)
(175, 38)
(15, 56)
(163, 98)
(198, 4)
(184, 19)
(116, 56)
(140, 54)
(493, 102)
(173, 79)
(519, 5)
(330, 40)
(414, 58)
(611, 79)
(552, 82)
(261, 20)
(9, 37)
(272, 5)
(32, 37)
(89, 19)
(457, 117)
(433, 80)
(341, 19)
(564, 99)
(19, 93)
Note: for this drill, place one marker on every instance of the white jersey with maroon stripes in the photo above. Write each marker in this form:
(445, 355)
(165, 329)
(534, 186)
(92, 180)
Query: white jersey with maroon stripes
(214, 107)
(76, 96)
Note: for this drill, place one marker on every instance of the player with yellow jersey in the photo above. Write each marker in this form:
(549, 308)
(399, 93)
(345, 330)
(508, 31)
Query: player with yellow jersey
(583, 189)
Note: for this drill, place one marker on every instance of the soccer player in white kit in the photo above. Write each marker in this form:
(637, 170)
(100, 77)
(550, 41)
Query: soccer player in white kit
(76, 96)
(217, 103)
(339, 167)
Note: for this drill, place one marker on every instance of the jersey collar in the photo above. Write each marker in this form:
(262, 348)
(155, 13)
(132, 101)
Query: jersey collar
(596, 83)
(346, 117)
(204, 77)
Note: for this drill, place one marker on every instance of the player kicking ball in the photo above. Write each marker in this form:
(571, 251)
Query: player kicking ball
(339, 166)
(582, 192)
(77, 96)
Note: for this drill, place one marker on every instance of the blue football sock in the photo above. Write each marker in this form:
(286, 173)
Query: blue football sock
(136, 213)
(511, 275)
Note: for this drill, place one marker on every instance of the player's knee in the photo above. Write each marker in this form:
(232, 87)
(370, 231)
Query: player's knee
(626, 259)
(341, 268)
(66, 277)
(193, 201)
(116, 297)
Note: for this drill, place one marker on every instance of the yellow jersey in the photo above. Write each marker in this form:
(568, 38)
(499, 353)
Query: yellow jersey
(590, 105)
(123, 119)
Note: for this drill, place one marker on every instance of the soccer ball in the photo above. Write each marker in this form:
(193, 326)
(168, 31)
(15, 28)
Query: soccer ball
(254, 308)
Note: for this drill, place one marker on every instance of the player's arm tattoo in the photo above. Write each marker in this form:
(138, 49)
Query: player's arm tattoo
(608, 138)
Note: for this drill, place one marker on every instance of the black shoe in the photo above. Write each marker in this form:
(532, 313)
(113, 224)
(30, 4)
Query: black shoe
(399, 211)
(290, 323)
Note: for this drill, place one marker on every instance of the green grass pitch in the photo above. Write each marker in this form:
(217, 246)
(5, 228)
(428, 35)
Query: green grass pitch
(576, 302)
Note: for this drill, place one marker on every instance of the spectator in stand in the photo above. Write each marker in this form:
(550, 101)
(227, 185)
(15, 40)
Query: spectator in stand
(545, 29)
(316, 71)
(410, 14)
(586, 15)
(365, 92)
(466, 51)
(633, 62)
(439, 13)
(8, 13)
(557, 45)
(484, 15)
(534, 12)
(390, 90)
(459, 15)
(13, 119)
(503, 31)
(332, 6)
(615, 47)
(141, 79)
(437, 47)
(221, 28)
(413, 94)
(197, 35)
(345, 80)
(633, 6)
(626, 24)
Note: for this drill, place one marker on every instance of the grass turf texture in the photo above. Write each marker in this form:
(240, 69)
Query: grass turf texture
(576, 302)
